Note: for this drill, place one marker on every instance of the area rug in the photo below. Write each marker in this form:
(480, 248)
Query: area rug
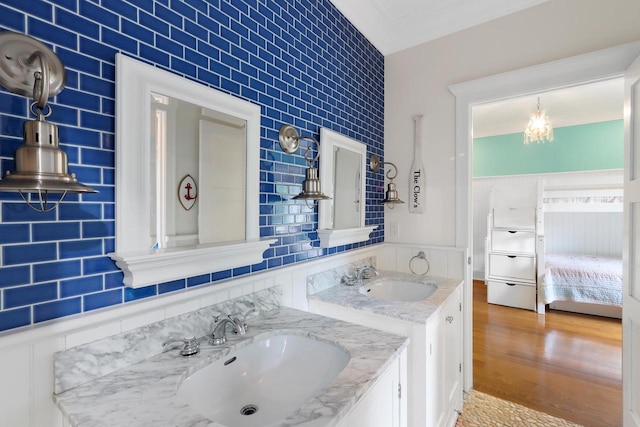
(482, 410)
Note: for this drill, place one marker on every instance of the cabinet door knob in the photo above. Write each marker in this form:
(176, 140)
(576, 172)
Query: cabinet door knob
(449, 319)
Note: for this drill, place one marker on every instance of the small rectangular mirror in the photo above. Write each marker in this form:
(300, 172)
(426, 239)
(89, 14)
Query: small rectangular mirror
(343, 178)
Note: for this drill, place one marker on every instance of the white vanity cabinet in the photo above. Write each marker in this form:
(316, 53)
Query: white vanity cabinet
(434, 383)
(444, 363)
(385, 405)
(511, 257)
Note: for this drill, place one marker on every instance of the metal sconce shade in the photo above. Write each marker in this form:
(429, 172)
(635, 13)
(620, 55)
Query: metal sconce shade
(30, 68)
(311, 187)
(391, 196)
(40, 164)
(290, 142)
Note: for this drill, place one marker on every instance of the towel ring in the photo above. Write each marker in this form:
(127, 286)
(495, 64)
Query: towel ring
(420, 255)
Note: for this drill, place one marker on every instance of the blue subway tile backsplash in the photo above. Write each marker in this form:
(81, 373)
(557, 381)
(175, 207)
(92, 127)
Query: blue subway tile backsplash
(301, 61)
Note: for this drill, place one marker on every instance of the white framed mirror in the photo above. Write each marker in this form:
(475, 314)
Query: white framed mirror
(341, 220)
(187, 177)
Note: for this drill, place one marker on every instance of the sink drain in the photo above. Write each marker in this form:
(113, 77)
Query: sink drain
(249, 410)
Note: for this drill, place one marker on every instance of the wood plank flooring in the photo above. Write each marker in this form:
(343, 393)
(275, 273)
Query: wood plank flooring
(567, 365)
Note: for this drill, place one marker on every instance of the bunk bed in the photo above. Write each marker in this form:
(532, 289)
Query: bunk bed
(589, 283)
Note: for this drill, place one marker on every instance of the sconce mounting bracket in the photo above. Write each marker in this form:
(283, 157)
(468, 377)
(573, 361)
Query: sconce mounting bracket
(289, 139)
(23, 56)
(374, 163)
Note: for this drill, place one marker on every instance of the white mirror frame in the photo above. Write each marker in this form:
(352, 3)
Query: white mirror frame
(328, 236)
(142, 265)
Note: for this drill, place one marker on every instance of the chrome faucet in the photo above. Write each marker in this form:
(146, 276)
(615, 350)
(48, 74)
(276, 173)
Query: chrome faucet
(359, 272)
(357, 277)
(219, 334)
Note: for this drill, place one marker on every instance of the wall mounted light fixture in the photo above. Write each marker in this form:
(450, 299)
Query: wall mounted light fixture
(391, 195)
(30, 68)
(289, 142)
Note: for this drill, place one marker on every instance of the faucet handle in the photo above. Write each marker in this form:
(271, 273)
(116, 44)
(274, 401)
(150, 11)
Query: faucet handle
(190, 348)
(348, 280)
(243, 318)
(251, 310)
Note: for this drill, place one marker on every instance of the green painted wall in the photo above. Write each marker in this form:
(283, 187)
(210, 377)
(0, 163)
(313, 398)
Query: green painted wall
(593, 146)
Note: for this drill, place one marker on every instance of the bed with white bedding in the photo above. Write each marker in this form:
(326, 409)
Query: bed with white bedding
(581, 217)
(582, 279)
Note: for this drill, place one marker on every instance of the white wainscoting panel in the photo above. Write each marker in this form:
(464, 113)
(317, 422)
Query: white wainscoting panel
(444, 261)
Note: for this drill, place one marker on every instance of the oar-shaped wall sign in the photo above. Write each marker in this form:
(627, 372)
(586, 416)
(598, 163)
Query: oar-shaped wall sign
(416, 175)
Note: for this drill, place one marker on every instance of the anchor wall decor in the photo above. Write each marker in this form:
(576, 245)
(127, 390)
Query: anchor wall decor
(187, 192)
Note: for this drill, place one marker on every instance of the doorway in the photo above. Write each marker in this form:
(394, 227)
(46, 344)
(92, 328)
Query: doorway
(596, 66)
(539, 361)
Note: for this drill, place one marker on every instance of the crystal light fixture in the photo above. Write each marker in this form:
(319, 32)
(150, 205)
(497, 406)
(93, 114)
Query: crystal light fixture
(539, 128)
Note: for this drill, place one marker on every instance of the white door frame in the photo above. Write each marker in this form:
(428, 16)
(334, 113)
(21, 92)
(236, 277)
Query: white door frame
(592, 67)
(631, 250)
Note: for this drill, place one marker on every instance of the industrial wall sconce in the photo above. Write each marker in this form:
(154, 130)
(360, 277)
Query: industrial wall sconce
(391, 195)
(289, 142)
(30, 68)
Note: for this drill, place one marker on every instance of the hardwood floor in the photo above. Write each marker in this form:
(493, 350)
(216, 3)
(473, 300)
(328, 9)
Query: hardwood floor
(567, 365)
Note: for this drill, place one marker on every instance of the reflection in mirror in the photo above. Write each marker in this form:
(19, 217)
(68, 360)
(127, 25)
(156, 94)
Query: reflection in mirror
(210, 148)
(343, 176)
(346, 172)
(187, 184)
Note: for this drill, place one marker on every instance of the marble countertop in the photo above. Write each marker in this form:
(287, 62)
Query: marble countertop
(415, 312)
(144, 394)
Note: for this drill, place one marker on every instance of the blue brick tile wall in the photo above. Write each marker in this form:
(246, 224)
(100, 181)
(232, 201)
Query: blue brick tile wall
(300, 60)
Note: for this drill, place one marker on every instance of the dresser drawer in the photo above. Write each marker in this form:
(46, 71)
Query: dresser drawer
(517, 267)
(524, 218)
(513, 241)
(518, 295)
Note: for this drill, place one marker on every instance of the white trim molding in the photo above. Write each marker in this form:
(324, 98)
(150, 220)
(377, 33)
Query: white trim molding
(591, 67)
(330, 238)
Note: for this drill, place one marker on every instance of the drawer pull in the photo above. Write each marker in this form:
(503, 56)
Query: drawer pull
(511, 256)
(510, 284)
(512, 231)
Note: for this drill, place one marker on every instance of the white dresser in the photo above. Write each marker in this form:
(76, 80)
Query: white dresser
(511, 257)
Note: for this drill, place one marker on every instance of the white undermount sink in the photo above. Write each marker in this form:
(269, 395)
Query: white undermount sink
(392, 289)
(263, 382)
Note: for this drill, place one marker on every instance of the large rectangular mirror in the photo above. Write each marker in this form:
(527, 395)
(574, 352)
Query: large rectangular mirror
(343, 178)
(187, 177)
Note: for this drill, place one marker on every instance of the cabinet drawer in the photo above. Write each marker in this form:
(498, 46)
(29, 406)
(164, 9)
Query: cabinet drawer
(518, 267)
(512, 294)
(514, 218)
(513, 241)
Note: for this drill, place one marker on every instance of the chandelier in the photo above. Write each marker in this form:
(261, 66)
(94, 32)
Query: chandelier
(539, 128)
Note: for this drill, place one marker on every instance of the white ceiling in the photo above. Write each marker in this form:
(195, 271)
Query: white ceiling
(394, 25)
(596, 102)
